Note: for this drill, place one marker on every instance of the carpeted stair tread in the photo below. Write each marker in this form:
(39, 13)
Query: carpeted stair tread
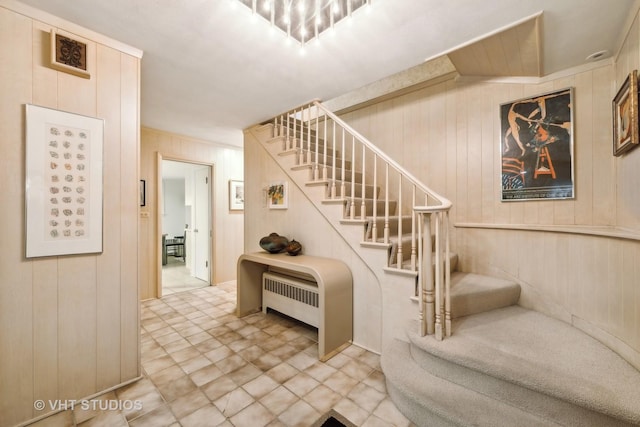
(428, 400)
(475, 293)
(532, 350)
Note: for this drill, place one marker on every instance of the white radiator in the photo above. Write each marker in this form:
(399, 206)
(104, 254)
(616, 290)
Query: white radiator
(292, 296)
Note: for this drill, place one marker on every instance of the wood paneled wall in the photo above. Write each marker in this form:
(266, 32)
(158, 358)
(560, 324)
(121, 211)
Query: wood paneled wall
(628, 165)
(448, 136)
(227, 164)
(69, 325)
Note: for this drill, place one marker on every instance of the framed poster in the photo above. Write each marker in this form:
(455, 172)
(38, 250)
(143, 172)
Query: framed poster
(625, 115)
(536, 146)
(63, 183)
(236, 195)
(278, 195)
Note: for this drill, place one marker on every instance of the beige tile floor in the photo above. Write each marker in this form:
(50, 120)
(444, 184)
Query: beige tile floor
(203, 366)
(176, 277)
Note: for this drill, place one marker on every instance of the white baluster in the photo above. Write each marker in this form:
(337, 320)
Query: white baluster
(342, 184)
(308, 150)
(363, 211)
(422, 324)
(333, 164)
(374, 229)
(438, 282)
(386, 205)
(352, 210)
(447, 272)
(413, 230)
(316, 160)
(399, 214)
(288, 130)
(326, 142)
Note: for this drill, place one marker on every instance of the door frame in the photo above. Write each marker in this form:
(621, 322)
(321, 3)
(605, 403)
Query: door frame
(158, 232)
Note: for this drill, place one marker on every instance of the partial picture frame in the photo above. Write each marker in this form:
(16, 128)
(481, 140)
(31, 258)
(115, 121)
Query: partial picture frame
(236, 195)
(69, 54)
(143, 193)
(278, 195)
(536, 147)
(63, 183)
(625, 116)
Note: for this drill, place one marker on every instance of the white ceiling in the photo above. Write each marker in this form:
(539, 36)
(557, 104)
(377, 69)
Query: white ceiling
(210, 69)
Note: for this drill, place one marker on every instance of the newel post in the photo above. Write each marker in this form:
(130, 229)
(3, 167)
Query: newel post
(427, 300)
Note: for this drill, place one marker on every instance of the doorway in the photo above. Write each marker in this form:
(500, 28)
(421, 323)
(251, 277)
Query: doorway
(185, 223)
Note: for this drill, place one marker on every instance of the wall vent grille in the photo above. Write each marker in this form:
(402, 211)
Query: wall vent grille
(290, 290)
(292, 296)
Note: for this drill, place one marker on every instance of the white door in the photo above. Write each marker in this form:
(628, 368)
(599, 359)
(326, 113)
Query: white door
(202, 227)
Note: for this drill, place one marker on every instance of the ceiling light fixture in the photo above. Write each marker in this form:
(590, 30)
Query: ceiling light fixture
(295, 17)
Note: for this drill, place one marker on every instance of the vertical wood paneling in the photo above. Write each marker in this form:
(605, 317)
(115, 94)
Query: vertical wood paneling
(436, 136)
(78, 275)
(564, 210)
(45, 79)
(16, 292)
(475, 107)
(604, 185)
(629, 284)
(57, 337)
(451, 154)
(588, 285)
(489, 148)
(635, 296)
(461, 154)
(77, 339)
(501, 210)
(45, 329)
(129, 208)
(615, 316)
(108, 290)
(583, 143)
(45, 271)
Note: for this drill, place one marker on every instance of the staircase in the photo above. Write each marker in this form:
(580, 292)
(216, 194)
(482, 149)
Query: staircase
(463, 353)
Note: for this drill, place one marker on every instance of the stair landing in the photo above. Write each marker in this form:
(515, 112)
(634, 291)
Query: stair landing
(523, 359)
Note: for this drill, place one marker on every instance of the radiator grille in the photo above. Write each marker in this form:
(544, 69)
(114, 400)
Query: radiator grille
(280, 287)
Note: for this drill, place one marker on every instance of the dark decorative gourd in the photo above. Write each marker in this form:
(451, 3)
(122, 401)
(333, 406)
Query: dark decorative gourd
(293, 248)
(274, 243)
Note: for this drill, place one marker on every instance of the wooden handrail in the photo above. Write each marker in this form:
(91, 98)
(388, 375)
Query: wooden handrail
(431, 261)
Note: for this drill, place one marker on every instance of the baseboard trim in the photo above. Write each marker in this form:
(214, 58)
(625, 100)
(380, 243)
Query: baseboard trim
(611, 341)
(90, 397)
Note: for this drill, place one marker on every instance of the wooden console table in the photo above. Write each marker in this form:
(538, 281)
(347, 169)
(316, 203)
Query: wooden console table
(335, 290)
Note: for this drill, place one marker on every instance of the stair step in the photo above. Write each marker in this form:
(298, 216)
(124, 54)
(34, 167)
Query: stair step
(475, 293)
(370, 190)
(538, 364)
(348, 176)
(393, 225)
(368, 207)
(429, 400)
(298, 143)
(406, 262)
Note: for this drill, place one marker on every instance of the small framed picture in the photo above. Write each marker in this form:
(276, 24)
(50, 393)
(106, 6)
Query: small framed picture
(236, 195)
(278, 195)
(625, 115)
(69, 54)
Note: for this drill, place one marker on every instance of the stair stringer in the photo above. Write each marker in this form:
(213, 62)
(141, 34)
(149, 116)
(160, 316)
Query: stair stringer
(397, 311)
